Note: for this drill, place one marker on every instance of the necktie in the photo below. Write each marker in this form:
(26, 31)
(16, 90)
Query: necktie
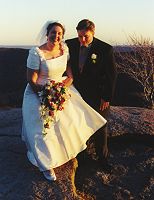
(82, 57)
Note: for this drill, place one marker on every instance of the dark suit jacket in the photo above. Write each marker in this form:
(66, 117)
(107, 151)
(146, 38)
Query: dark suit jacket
(97, 80)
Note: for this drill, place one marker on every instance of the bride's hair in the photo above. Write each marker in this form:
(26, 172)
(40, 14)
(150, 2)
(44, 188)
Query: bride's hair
(42, 36)
(55, 24)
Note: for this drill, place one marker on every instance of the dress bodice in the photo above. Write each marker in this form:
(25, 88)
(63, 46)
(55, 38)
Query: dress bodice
(52, 68)
(48, 68)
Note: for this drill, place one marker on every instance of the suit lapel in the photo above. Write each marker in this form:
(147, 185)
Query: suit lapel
(88, 59)
(76, 55)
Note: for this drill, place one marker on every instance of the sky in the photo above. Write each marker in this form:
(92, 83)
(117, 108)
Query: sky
(115, 20)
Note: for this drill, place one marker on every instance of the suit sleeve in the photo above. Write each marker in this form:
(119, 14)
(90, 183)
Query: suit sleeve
(109, 77)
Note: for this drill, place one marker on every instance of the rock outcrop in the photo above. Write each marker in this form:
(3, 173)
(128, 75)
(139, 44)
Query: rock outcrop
(13, 81)
(131, 159)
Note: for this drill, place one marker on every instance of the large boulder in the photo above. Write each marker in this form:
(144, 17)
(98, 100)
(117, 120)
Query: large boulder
(12, 76)
(131, 121)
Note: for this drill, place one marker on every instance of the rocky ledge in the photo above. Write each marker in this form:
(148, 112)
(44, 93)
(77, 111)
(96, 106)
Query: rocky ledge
(131, 143)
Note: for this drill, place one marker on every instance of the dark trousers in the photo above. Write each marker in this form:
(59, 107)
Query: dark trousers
(98, 138)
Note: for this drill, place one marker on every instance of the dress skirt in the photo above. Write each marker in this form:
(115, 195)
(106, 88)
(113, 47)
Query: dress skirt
(66, 137)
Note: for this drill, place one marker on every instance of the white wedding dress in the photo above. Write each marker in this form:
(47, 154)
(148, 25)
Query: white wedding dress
(73, 127)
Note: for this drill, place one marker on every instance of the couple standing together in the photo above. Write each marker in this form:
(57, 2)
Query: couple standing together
(86, 67)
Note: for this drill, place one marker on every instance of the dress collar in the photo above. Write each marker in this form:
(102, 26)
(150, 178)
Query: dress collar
(89, 45)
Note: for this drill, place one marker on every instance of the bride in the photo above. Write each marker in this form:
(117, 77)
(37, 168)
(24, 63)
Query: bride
(74, 125)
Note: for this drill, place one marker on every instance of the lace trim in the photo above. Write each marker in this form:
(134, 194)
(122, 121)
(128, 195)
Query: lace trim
(64, 49)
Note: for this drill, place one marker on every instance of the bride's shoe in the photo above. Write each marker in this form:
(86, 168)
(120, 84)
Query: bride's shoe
(50, 175)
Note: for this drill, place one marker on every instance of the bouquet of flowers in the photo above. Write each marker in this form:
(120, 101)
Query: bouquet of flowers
(52, 97)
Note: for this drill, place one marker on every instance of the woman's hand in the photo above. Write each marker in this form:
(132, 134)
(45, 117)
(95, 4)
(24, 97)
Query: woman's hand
(32, 76)
(68, 81)
(38, 88)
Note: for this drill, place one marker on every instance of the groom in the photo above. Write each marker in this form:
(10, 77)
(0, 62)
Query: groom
(93, 69)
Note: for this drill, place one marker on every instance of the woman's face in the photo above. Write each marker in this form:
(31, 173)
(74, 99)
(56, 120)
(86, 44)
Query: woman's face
(55, 35)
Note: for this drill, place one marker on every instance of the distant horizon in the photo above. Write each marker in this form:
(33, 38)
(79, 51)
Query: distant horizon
(30, 46)
(121, 48)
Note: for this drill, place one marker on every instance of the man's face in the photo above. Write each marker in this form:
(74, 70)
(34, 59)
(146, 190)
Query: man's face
(85, 37)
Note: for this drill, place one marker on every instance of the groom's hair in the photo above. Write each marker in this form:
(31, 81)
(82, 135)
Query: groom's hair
(86, 24)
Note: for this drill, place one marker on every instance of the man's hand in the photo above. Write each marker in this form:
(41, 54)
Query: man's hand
(68, 81)
(104, 105)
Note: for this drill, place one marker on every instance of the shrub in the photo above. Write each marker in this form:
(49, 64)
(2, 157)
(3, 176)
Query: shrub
(138, 63)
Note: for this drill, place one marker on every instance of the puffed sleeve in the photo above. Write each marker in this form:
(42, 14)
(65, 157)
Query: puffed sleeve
(33, 60)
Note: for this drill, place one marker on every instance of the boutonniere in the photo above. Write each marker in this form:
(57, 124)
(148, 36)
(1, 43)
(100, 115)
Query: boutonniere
(93, 58)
